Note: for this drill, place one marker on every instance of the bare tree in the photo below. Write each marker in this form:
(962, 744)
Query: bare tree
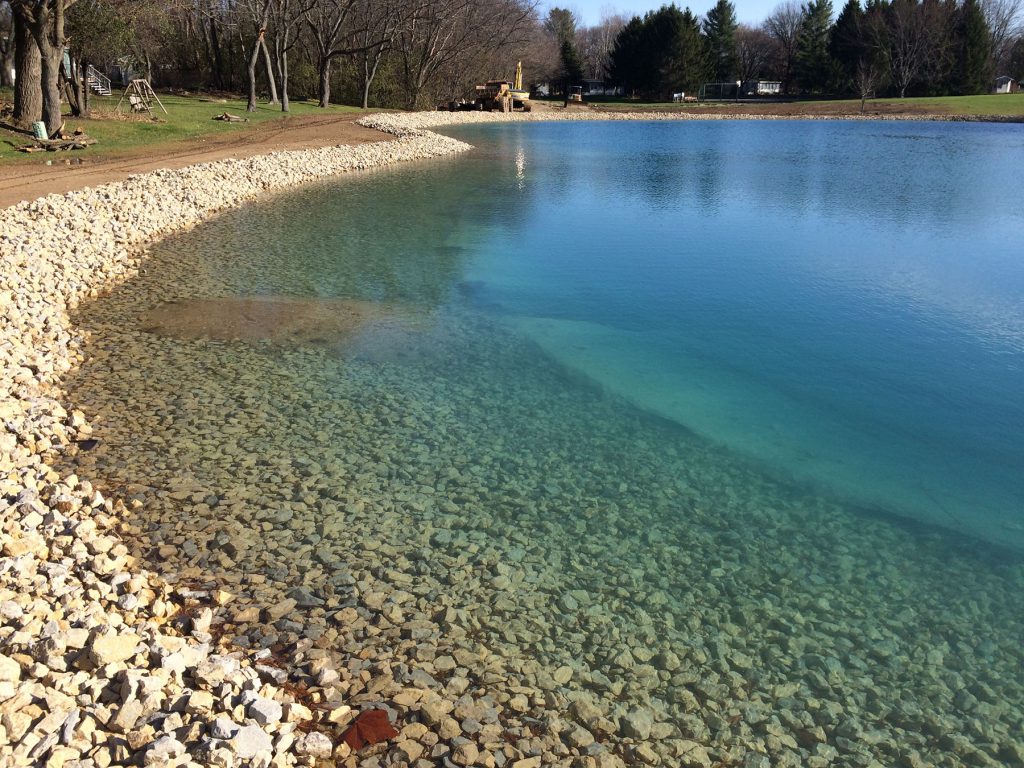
(868, 77)
(783, 25)
(595, 43)
(152, 36)
(1005, 24)
(912, 37)
(327, 24)
(380, 24)
(259, 11)
(753, 51)
(439, 33)
(286, 16)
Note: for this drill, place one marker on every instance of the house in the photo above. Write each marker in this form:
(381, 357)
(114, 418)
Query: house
(600, 88)
(1006, 84)
(761, 87)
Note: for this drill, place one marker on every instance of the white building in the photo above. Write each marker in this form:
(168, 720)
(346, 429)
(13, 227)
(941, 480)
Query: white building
(1006, 84)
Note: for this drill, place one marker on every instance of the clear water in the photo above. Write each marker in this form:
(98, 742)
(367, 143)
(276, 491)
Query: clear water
(670, 389)
(843, 302)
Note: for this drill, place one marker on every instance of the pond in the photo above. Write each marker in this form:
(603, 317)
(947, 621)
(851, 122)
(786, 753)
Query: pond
(717, 422)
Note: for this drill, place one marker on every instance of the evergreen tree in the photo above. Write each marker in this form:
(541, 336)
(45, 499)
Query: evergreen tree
(685, 66)
(626, 59)
(572, 64)
(846, 45)
(659, 55)
(974, 70)
(561, 24)
(720, 36)
(814, 65)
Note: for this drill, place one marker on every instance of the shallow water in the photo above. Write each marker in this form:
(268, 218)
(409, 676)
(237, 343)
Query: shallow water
(487, 472)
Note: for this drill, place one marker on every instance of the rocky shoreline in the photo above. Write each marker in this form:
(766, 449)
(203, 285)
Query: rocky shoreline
(101, 662)
(104, 663)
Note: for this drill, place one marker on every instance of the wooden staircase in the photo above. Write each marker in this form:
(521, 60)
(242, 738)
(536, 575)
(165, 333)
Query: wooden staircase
(98, 82)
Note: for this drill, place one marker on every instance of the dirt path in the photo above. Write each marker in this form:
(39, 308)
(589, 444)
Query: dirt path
(27, 181)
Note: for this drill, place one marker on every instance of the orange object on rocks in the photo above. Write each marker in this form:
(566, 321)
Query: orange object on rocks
(369, 727)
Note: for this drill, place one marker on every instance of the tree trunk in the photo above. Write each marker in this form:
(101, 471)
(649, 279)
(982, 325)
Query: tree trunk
(251, 69)
(282, 70)
(85, 90)
(270, 70)
(366, 91)
(51, 61)
(28, 92)
(369, 73)
(217, 60)
(324, 65)
(73, 88)
(7, 61)
(47, 29)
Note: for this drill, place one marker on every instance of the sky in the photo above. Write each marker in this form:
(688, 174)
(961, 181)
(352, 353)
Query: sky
(590, 11)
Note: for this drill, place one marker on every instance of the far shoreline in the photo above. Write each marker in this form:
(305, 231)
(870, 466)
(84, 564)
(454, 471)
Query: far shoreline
(24, 182)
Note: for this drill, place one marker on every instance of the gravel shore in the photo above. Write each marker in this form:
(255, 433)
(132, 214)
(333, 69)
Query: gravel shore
(103, 662)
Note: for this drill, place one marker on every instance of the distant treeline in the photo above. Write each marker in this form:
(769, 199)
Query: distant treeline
(417, 53)
(897, 47)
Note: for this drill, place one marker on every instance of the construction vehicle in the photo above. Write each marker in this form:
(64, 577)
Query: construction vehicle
(574, 98)
(502, 95)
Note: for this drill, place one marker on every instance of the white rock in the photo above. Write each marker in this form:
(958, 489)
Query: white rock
(10, 670)
(314, 744)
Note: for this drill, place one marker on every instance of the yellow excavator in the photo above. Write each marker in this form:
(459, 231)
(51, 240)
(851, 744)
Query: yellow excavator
(518, 92)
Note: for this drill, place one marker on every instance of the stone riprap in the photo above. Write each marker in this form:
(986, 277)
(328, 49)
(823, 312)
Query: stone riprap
(409, 123)
(781, 657)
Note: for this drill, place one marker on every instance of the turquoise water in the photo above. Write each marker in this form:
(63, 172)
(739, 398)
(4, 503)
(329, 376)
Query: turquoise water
(843, 302)
(635, 414)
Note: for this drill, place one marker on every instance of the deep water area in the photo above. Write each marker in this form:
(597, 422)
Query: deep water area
(698, 433)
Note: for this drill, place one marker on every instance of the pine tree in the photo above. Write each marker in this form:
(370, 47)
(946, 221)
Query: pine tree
(846, 45)
(814, 65)
(572, 64)
(974, 70)
(661, 54)
(625, 62)
(687, 59)
(720, 36)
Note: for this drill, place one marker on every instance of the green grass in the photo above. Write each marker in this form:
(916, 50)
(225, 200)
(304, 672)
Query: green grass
(989, 104)
(189, 118)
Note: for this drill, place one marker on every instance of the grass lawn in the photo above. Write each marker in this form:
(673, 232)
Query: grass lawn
(189, 117)
(988, 104)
